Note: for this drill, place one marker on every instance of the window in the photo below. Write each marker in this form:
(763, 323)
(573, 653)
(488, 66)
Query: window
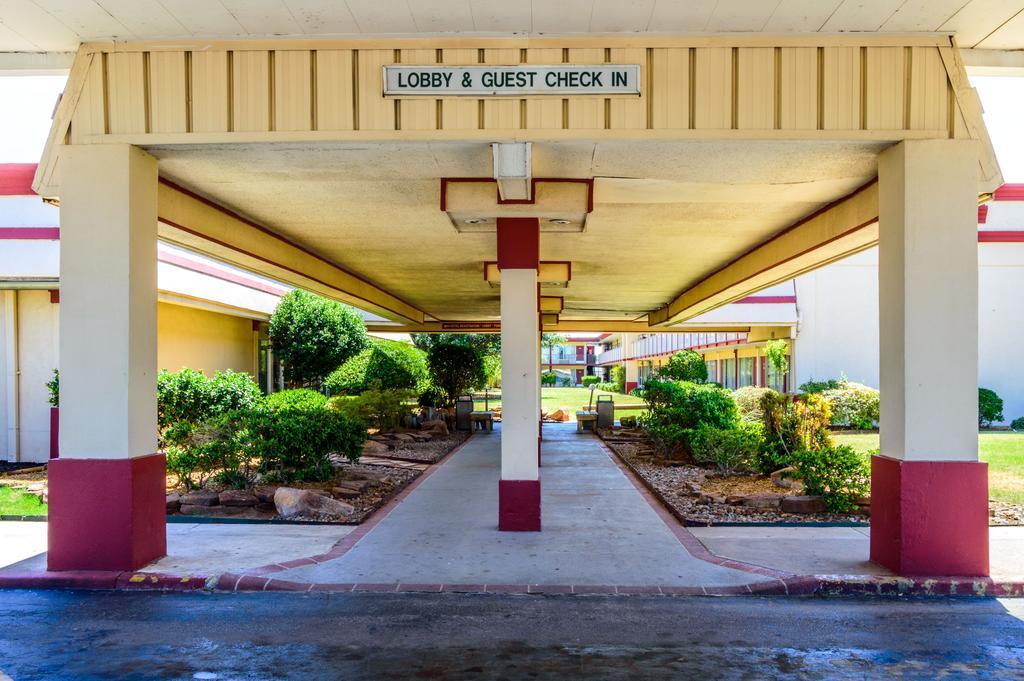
(270, 372)
(729, 373)
(746, 372)
(712, 370)
(776, 378)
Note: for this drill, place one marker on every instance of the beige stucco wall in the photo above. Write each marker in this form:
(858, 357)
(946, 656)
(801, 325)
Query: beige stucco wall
(199, 339)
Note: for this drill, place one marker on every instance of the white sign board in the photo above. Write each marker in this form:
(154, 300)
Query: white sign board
(438, 80)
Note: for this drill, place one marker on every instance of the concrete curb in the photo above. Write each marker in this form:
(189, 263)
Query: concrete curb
(806, 585)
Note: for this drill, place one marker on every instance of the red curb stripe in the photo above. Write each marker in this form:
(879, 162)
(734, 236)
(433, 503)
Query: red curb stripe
(432, 588)
(376, 587)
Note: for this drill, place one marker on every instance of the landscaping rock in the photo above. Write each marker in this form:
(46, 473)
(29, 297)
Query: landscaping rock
(436, 426)
(173, 502)
(783, 477)
(763, 500)
(202, 497)
(237, 497)
(803, 504)
(294, 503)
(345, 493)
(265, 494)
(374, 447)
(404, 437)
(355, 485)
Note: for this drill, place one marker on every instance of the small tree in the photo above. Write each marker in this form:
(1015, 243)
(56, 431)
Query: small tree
(777, 352)
(685, 365)
(313, 336)
(990, 407)
(619, 378)
(455, 369)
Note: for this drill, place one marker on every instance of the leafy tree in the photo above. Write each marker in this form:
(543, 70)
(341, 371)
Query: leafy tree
(777, 352)
(313, 336)
(486, 343)
(619, 378)
(455, 368)
(990, 407)
(685, 365)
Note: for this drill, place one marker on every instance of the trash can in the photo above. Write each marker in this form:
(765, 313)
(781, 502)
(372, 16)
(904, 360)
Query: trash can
(463, 408)
(605, 411)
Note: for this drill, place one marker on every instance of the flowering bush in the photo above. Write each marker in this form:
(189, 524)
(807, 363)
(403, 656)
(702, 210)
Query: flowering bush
(853, 404)
(748, 402)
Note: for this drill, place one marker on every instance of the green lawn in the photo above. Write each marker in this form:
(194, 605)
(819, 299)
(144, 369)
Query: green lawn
(573, 399)
(19, 502)
(1004, 453)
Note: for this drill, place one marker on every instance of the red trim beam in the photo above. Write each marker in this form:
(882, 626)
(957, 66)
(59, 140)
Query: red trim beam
(518, 243)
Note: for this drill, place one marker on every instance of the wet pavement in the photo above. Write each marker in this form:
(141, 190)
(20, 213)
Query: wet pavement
(105, 635)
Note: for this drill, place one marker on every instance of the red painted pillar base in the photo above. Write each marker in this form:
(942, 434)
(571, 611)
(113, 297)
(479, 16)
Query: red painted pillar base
(630, 385)
(54, 432)
(519, 505)
(107, 514)
(930, 517)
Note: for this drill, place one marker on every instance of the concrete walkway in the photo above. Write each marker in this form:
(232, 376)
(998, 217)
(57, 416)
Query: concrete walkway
(602, 532)
(597, 529)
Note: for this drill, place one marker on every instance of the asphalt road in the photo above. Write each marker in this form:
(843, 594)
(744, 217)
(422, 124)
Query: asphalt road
(68, 635)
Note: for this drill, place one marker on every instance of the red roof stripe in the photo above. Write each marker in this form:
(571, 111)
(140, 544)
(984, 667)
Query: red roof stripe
(1010, 192)
(30, 233)
(995, 236)
(982, 213)
(203, 268)
(16, 179)
(753, 300)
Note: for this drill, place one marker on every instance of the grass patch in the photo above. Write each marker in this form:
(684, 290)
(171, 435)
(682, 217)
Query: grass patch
(19, 502)
(573, 399)
(1004, 453)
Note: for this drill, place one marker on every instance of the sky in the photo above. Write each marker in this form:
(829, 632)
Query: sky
(30, 101)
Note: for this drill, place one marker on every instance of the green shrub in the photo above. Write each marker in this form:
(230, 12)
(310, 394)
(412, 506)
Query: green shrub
(492, 370)
(618, 376)
(777, 353)
(53, 387)
(295, 442)
(838, 473)
(548, 378)
(731, 450)
(792, 424)
(214, 448)
(1017, 424)
(313, 336)
(454, 369)
(385, 364)
(677, 407)
(381, 409)
(188, 395)
(432, 396)
(628, 421)
(590, 381)
(813, 386)
(685, 365)
(748, 403)
(990, 407)
(299, 398)
(853, 404)
(606, 386)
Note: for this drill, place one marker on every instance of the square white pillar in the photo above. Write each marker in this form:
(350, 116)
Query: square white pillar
(929, 505)
(107, 506)
(519, 487)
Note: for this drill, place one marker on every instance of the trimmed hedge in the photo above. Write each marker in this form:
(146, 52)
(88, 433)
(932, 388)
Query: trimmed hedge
(385, 365)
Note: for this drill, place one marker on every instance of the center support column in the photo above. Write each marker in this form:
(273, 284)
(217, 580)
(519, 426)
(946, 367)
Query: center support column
(929, 492)
(519, 487)
(107, 503)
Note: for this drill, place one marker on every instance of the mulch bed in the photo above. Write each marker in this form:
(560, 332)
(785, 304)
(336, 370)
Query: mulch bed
(697, 495)
(430, 451)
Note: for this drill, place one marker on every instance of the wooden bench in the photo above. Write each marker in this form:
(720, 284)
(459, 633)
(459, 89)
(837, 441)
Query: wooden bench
(585, 417)
(482, 420)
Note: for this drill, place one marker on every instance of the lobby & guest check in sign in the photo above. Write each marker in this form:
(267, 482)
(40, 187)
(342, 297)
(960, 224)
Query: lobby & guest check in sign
(521, 80)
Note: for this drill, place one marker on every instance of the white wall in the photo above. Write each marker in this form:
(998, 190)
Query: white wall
(1001, 323)
(37, 337)
(837, 331)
